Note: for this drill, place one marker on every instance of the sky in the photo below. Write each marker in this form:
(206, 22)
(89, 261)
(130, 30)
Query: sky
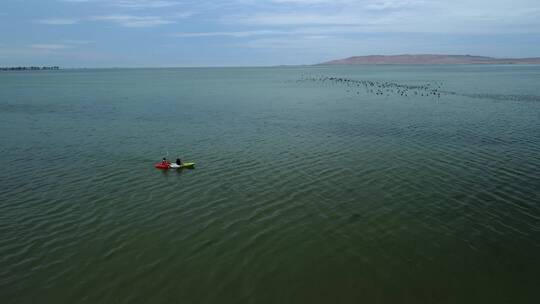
(174, 33)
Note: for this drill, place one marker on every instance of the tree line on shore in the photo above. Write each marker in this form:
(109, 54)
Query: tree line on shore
(30, 68)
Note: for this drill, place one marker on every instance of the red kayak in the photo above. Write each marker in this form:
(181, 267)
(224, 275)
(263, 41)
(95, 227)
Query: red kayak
(164, 166)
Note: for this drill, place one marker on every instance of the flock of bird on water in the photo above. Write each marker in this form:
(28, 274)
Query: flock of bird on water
(388, 88)
(380, 88)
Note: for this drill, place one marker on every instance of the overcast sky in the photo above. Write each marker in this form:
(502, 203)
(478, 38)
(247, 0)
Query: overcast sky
(137, 33)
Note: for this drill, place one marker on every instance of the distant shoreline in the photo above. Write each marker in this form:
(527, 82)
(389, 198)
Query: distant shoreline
(30, 68)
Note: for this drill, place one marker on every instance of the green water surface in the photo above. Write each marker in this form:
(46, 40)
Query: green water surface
(305, 190)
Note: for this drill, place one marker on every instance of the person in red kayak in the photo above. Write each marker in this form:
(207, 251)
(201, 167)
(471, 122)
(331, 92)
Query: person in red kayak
(165, 161)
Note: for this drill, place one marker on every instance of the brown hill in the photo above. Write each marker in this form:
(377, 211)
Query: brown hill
(430, 59)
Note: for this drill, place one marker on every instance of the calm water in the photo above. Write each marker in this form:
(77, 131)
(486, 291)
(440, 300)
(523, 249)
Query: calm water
(306, 189)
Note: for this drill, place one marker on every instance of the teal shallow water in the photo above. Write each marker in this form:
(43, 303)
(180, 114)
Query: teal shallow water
(305, 191)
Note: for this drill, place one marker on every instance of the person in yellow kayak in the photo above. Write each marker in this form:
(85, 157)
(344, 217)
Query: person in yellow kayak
(178, 161)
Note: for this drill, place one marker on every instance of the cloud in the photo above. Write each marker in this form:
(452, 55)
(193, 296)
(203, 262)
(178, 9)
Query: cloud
(392, 4)
(58, 21)
(59, 45)
(300, 31)
(304, 2)
(238, 34)
(77, 41)
(12, 52)
(281, 19)
(125, 20)
(49, 47)
(132, 4)
(134, 21)
(315, 31)
(409, 16)
(139, 4)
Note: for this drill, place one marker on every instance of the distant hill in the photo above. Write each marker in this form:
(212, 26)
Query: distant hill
(430, 59)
